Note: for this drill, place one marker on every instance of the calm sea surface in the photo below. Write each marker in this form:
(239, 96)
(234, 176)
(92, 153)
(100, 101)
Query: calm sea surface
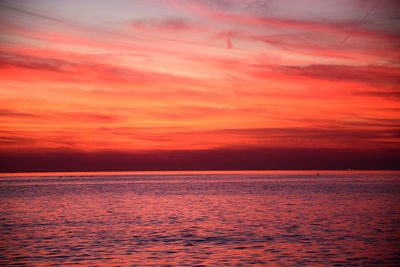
(199, 218)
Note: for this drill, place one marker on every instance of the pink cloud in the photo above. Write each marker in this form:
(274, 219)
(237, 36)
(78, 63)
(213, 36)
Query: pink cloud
(165, 24)
(92, 70)
(282, 32)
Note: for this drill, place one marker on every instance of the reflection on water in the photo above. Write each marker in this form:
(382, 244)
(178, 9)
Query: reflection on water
(264, 218)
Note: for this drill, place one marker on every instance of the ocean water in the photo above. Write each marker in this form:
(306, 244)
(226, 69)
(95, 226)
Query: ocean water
(200, 219)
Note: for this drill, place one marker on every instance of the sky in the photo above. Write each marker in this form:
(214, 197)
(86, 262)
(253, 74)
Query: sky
(163, 83)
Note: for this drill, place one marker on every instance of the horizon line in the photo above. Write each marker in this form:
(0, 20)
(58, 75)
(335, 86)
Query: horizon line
(44, 173)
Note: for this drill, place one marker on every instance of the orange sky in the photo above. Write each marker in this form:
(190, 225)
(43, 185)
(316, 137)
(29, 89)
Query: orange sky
(132, 75)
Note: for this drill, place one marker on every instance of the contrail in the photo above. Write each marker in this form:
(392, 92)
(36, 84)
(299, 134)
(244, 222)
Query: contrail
(228, 41)
(361, 21)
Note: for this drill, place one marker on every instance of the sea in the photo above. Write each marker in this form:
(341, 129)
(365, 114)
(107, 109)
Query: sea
(219, 218)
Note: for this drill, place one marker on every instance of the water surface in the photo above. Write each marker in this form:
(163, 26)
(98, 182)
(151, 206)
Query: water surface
(200, 218)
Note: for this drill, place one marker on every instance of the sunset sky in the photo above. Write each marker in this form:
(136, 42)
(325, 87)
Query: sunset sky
(153, 77)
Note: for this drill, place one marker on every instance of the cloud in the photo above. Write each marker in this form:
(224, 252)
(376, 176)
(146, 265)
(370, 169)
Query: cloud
(84, 117)
(394, 95)
(373, 75)
(313, 36)
(14, 113)
(164, 24)
(188, 32)
(385, 123)
(81, 71)
(34, 63)
(51, 116)
(318, 136)
(7, 141)
(214, 11)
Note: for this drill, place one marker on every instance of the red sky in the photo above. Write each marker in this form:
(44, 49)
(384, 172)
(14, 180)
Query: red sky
(132, 77)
